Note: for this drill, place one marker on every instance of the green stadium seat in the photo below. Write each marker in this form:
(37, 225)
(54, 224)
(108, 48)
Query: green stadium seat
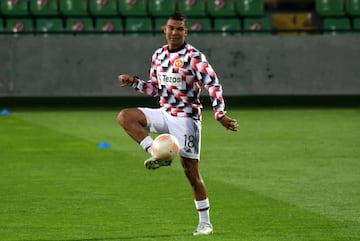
(353, 8)
(199, 25)
(250, 8)
(49, 25)
(133, 8)
(19, 25)
(356, 25)
(17, 8)
(44, 8)
(109, 25)
(161, 8)
(159, 23)
(193, 8)
(139, 25)
(79, 25)
(227, 26)
(336, 26)
(255, 26)
(74, 8)
(103, 8)
(218, 8)
(1, 25)
(330, 8)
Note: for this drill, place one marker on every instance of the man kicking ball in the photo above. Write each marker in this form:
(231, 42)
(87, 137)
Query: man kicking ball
(178, 73)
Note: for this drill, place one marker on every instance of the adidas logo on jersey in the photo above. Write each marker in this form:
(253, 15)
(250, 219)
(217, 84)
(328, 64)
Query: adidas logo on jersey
(187, 150)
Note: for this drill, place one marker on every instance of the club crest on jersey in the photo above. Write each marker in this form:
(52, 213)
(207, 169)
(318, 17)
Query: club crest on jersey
(178, 63)
(170, 79)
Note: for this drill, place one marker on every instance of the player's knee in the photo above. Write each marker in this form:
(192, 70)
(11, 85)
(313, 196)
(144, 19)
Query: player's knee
(124, 117)
(191, 171)
(129, 117)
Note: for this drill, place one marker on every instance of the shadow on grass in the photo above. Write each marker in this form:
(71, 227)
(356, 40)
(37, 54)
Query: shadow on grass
(167, 236)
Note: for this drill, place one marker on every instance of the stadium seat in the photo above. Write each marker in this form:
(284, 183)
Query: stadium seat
(250, 8)
(133, 8)
(356, 25)
(293, 23)
(19, 25)
(199, 25)
(330, 8)
(109, 25)
(256, 26)
(218, 8)
(353, 8)
(192, 8)
(161, 8)
(138, 25)
(79, 25)
(227, 26)
(14, 8)
(49, 25)
(1, 25)
(74, 8)
(159, 23)
(103, 8)
(336, 26)
(44, 8)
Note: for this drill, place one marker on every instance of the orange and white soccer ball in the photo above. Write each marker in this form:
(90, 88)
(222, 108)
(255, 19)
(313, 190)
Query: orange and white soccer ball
(165, 147)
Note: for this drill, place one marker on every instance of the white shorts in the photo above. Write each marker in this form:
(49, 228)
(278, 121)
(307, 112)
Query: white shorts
(185, 129)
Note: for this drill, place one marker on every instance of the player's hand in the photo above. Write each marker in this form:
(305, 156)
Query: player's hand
(229, 124)
(126, 80)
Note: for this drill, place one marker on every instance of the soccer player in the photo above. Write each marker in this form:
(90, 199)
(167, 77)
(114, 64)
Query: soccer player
(177, 74)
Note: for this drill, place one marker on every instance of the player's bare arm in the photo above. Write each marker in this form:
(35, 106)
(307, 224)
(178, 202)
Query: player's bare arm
(229, 123)
(126, 80)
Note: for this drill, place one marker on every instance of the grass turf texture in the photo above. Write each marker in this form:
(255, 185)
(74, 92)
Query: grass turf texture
(287, 175)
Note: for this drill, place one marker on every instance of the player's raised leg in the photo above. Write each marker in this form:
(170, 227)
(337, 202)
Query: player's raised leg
(135, 122)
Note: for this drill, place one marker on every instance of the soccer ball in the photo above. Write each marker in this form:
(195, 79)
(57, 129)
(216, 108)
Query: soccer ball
(165, 147)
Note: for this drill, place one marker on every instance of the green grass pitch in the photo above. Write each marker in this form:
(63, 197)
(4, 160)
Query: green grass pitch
(286, 175)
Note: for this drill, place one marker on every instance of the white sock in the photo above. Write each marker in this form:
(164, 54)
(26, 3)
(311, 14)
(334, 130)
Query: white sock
(146, 144)
(203, 208)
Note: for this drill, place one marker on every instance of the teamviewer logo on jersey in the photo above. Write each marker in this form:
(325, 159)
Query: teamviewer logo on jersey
(170, 79)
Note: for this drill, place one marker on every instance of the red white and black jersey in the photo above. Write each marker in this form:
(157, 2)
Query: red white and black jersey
(178, 77)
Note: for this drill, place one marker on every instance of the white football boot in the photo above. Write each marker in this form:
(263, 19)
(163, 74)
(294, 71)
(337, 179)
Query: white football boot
(152, 163)
(203, 229)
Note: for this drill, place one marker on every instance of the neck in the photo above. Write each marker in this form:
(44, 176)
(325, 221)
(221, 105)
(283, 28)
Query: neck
(176, 48)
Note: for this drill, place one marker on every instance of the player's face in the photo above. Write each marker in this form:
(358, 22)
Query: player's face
(175, 32)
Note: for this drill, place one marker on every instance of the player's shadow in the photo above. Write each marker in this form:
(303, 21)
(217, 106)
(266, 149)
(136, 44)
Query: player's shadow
(111, 239)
